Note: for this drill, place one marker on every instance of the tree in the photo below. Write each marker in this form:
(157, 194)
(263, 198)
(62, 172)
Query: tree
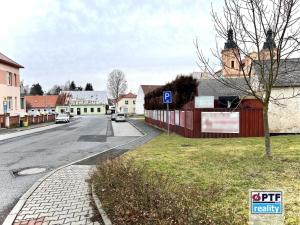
(89, 87)
(24, 89)
(36, 89)
(79, 88)
(116, 83)
(270, 28)
(72, 86)
(55, 90)
(66, 86)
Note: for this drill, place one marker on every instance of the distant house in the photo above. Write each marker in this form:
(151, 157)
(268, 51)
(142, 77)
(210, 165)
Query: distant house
(140, 99)
(41, 104)
(126, 103)
(85, 102)
(10, 99)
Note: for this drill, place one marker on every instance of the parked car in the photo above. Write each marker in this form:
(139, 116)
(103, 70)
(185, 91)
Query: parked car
(120, 117)
(113, 116)
(62, 118)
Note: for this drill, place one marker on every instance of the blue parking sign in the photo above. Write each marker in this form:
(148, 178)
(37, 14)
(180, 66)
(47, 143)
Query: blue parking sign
(167, 97)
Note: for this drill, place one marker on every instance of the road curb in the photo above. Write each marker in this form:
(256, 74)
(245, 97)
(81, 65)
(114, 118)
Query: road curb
(98, 204)
(140, 130)
(19, 205)
(29, 129)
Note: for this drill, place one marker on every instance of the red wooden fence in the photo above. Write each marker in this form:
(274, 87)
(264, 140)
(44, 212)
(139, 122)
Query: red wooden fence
(187, 122)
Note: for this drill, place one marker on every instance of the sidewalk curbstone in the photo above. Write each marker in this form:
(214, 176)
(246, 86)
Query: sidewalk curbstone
(98, 204)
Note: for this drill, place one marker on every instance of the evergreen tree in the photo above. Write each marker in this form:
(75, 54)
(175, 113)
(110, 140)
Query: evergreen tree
(89, 87)
(36, 89)
(72, 86)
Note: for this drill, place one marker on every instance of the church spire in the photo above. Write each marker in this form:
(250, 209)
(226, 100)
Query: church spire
(230, 42)
(269, 43)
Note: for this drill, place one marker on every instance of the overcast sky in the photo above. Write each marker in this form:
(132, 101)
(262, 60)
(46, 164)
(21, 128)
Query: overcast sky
(60, 40)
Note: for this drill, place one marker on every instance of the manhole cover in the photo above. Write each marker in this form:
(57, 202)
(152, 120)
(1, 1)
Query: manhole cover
(31, 171)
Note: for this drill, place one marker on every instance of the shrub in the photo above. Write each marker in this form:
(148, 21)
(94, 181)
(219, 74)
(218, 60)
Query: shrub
(131, 194)
(184, 89)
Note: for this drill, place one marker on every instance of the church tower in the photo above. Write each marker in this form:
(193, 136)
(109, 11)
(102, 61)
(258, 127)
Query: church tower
(269, 47)
(230, 55)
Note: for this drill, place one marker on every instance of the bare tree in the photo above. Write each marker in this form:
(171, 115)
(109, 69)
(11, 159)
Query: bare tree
(116, 83)
(55, 90)
(263, 35)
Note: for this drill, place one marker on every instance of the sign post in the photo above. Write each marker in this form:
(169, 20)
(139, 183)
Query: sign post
(167, 99)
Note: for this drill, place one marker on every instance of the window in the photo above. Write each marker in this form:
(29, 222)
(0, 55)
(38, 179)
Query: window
(92, 110)
(125, 110)
(72, 110)
(126, 102)
(9, 102)
(15, 78)
(98, 109)
(22, 103)
(85, 110)
(16, 103)
(134, 102)
(9, 79)
(232, 64)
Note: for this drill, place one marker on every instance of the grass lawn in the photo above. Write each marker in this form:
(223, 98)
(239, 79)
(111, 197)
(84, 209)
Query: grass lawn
(232, 165)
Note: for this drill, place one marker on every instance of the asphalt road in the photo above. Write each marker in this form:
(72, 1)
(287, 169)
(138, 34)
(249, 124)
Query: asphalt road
(50, 149)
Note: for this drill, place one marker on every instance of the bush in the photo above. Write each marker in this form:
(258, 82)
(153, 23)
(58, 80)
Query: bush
(131, 194)
(184, 89)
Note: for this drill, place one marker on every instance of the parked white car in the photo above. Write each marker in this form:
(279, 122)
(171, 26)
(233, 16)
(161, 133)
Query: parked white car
(62, 118)
(120, 117)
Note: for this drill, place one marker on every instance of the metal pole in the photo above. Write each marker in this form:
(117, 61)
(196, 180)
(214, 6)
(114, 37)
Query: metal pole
(168, 119)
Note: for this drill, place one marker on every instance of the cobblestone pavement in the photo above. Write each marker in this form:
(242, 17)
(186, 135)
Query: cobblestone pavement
(62, 198)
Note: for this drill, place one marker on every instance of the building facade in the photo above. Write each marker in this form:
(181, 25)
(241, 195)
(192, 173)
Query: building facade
(83, 103)
(140, 99)
(10, 99)
(126, 103)
(41, 104)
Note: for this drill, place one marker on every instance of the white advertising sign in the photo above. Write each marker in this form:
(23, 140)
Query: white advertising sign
(204, 102)
(220, 122)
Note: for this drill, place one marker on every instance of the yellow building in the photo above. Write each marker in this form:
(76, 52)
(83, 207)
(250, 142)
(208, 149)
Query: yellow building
(126, 103)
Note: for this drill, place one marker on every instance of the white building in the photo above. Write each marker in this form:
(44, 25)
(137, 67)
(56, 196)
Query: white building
(140, 99)
(84, 103)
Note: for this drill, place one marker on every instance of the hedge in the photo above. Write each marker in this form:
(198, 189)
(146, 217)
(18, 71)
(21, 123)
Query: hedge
(184, 89)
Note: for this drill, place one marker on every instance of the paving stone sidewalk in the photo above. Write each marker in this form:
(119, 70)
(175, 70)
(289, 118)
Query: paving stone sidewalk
(62, 198)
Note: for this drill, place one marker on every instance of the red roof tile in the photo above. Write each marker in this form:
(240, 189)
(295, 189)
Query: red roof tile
(41, 101)
(5, 60)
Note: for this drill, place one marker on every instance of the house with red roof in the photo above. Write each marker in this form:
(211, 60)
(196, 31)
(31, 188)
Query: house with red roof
(126, 103)
(41, 104)
(10, 97)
